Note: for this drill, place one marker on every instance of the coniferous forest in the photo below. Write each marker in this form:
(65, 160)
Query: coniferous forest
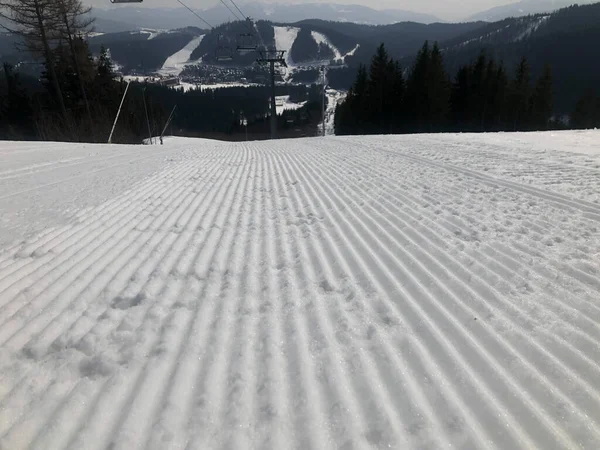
(481, 96)
(29, 110)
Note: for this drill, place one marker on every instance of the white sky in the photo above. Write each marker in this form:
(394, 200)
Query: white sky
(444, 9)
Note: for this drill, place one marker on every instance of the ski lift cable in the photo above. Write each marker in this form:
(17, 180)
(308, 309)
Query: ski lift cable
(238, 8)
(196, 14)
(231, 10)
(245, 16)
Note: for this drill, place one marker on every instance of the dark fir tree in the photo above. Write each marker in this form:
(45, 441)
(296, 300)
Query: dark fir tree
(519, 97)
(497, 92)
(417, 91)
(542, 101)
(379, 89)
(586, 114)
(460, 99)
(438, 92)
(15, 106)
(479, 93)
(395, 101)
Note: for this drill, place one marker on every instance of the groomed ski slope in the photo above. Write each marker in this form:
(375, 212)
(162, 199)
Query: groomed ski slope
(175, 63)
(432, 291)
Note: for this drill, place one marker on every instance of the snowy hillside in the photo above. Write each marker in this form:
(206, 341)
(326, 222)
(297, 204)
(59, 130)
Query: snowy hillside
(175, 63)
(426, 291)
(284, 39)
(524, 8)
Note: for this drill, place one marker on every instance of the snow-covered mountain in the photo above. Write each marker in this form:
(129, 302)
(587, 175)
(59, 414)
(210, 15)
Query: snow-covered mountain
(218, 14)
(524, 8)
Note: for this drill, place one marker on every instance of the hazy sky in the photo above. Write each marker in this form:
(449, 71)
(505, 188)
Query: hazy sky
(445, 9)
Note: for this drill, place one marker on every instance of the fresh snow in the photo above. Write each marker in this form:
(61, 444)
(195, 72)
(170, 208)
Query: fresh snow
(175, 63)
(425, 291)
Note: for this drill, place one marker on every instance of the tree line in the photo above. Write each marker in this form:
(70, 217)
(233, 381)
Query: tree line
(482, 96)
(79, 95)
(79, 92)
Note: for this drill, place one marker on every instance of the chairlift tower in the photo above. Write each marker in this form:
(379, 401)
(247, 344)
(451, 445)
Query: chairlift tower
(272, 58)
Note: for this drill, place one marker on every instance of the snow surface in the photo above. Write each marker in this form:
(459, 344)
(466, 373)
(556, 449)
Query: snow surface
(334, 97)
(284, 39)
(320, 38)
(175, 63)
(283, 103)
(189, 86)
(426, 291)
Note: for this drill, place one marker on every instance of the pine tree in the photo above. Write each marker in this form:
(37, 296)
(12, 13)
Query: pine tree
(542, 100)
(74, 21)
(379, 86)
(417, 92)
(35, 22)
(460, 99)
(351, 115)
(519, 97)
(15, 107)
(499, 100)
(104, 80)
(489, 88)
(438, 92)
(478, 98)
(586, 114)
(395, 99)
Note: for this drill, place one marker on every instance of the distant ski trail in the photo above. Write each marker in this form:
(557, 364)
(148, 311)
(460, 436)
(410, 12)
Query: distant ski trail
(362, 292)
(175, 63)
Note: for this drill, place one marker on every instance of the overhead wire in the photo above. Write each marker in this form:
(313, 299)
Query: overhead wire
(246, 19)
(238, 8)
(254, 27)
(232, 11)
(196, 14)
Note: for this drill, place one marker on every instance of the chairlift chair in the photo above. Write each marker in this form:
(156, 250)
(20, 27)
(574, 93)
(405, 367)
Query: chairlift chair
(223, 52)
(247, 44)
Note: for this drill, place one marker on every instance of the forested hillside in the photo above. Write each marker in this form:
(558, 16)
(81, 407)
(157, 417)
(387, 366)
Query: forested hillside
(567, 40)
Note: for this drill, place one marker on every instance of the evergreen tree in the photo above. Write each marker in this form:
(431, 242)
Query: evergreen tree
(351, 114)
(395, 101)
(378, 88)
(519, 97)
(478, 97)
(586, 114)
(460, 99)
(497, 86)
(438, 92)
(417, 92)
(15, 107)
(74, 20)
(35, 21)
(542, 104)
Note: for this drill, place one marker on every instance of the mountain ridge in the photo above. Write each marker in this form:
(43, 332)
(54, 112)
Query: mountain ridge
(524, 8)
(171, 18)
